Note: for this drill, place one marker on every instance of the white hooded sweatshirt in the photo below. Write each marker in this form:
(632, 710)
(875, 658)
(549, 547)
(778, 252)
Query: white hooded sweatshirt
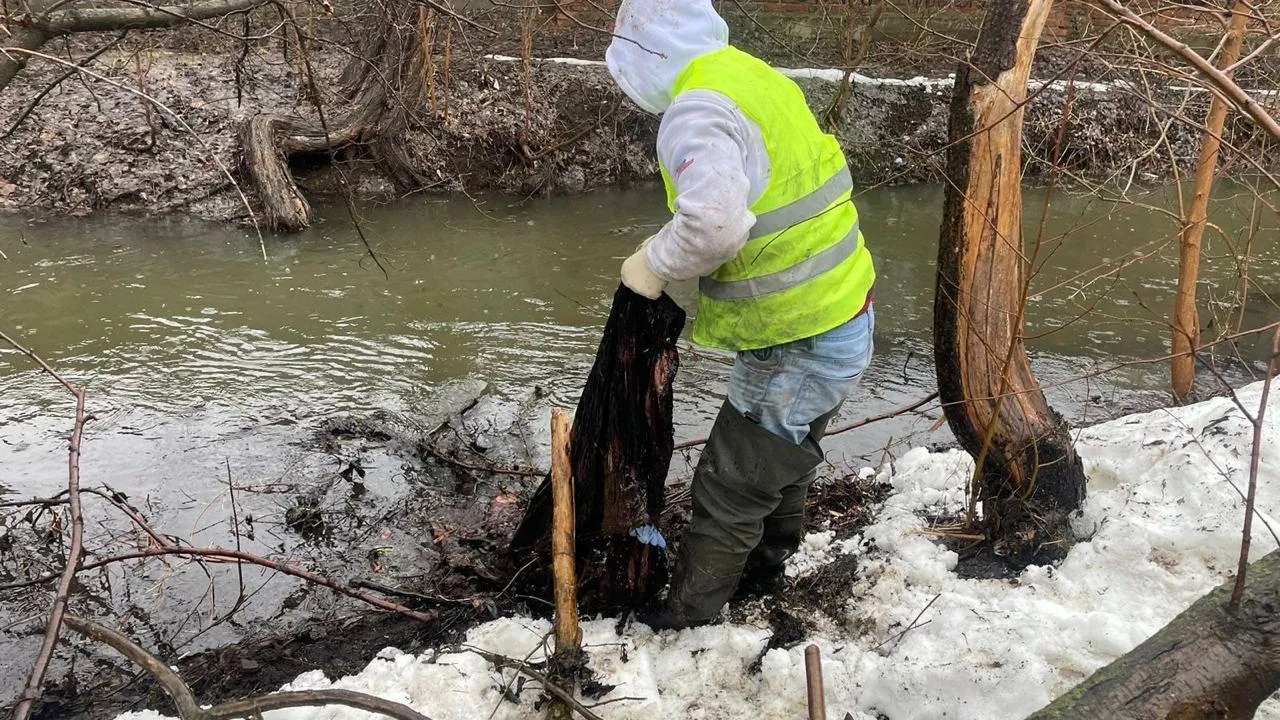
(715, 154)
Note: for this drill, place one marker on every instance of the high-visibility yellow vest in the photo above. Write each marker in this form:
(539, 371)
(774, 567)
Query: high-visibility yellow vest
(805, 268)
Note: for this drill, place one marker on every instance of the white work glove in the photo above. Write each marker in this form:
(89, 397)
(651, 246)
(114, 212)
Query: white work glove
(637, 275)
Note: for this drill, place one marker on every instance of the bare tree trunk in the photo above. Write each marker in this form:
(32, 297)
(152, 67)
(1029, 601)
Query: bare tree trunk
(1186, 320)
(1028, 476)
(1213, 662)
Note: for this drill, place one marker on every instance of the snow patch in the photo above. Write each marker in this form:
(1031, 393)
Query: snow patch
(1164, 512)
(929, 84)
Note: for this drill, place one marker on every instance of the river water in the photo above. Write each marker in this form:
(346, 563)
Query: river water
(203, 361)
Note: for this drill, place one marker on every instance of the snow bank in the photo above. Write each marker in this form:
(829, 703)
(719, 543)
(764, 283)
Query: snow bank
(930, 84)
(1164, 514)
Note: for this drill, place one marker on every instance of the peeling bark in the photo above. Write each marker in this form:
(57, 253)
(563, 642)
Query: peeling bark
(1028, 476)
(1213, 662)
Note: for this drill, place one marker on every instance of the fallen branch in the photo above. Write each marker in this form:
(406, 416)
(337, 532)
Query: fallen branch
(145, 16)
(1212, 661)
(524, 668)
(189, 708)
(35, 101)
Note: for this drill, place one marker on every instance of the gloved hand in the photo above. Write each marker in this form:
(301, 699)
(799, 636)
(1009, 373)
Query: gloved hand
(637, 275)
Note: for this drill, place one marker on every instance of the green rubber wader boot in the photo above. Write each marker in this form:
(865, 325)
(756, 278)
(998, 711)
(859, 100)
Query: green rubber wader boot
(750, 485)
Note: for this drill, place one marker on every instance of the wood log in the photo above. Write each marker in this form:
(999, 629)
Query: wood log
(1213, 662)
(620, 447)
(1028, 476)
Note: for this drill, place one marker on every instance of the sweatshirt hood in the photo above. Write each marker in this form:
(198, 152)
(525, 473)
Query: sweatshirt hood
(655, 40)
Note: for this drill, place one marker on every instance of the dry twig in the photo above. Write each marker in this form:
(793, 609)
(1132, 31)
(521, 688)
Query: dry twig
(31, 693)
(1252, 493)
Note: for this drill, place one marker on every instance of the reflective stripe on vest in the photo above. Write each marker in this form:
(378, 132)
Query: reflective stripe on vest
(776, 282)
(804, 268)
(807, 207)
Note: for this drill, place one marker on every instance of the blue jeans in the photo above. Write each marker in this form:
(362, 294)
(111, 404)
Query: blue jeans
(786, 387)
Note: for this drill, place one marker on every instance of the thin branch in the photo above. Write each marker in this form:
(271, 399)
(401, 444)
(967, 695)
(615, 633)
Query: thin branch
(844, 428)
(501, 661)
(1224, 85)
(22, 710)
(37, 360)
(459, 17)
(1247, 536)
(243, 557)
(168, 679)
(262, 243)
(35, 101)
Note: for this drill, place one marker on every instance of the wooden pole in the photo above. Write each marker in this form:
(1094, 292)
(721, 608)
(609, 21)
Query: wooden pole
(813, 673)
(568, 634)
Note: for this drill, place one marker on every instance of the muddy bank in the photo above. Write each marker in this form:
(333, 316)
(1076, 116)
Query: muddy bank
(93, 145)
(414, 508)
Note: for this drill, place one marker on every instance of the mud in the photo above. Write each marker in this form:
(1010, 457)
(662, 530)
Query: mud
(438, 546)
(94, 144)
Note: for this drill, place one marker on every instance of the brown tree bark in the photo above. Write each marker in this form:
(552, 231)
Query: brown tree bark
(1028, 476)
(1213, 662)
(564, 566)
(382, 86)
(1186, 319)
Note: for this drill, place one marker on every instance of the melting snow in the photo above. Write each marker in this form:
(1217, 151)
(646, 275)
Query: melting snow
(1164, 512)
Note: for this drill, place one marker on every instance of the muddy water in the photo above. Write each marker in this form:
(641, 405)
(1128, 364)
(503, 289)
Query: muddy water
(204, 363)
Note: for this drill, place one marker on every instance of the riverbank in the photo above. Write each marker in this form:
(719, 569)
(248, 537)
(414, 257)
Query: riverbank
(908, 635)
(94, 144)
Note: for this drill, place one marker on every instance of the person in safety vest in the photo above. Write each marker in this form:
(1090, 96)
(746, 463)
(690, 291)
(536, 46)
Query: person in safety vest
(762, 215)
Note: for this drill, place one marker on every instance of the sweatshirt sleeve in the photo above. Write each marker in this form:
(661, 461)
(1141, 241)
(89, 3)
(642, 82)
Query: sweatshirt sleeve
(701, 143)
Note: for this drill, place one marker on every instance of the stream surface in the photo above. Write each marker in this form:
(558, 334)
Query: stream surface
(205, 364)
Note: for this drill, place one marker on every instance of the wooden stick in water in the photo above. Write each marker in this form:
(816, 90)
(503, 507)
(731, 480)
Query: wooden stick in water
(813, 673)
